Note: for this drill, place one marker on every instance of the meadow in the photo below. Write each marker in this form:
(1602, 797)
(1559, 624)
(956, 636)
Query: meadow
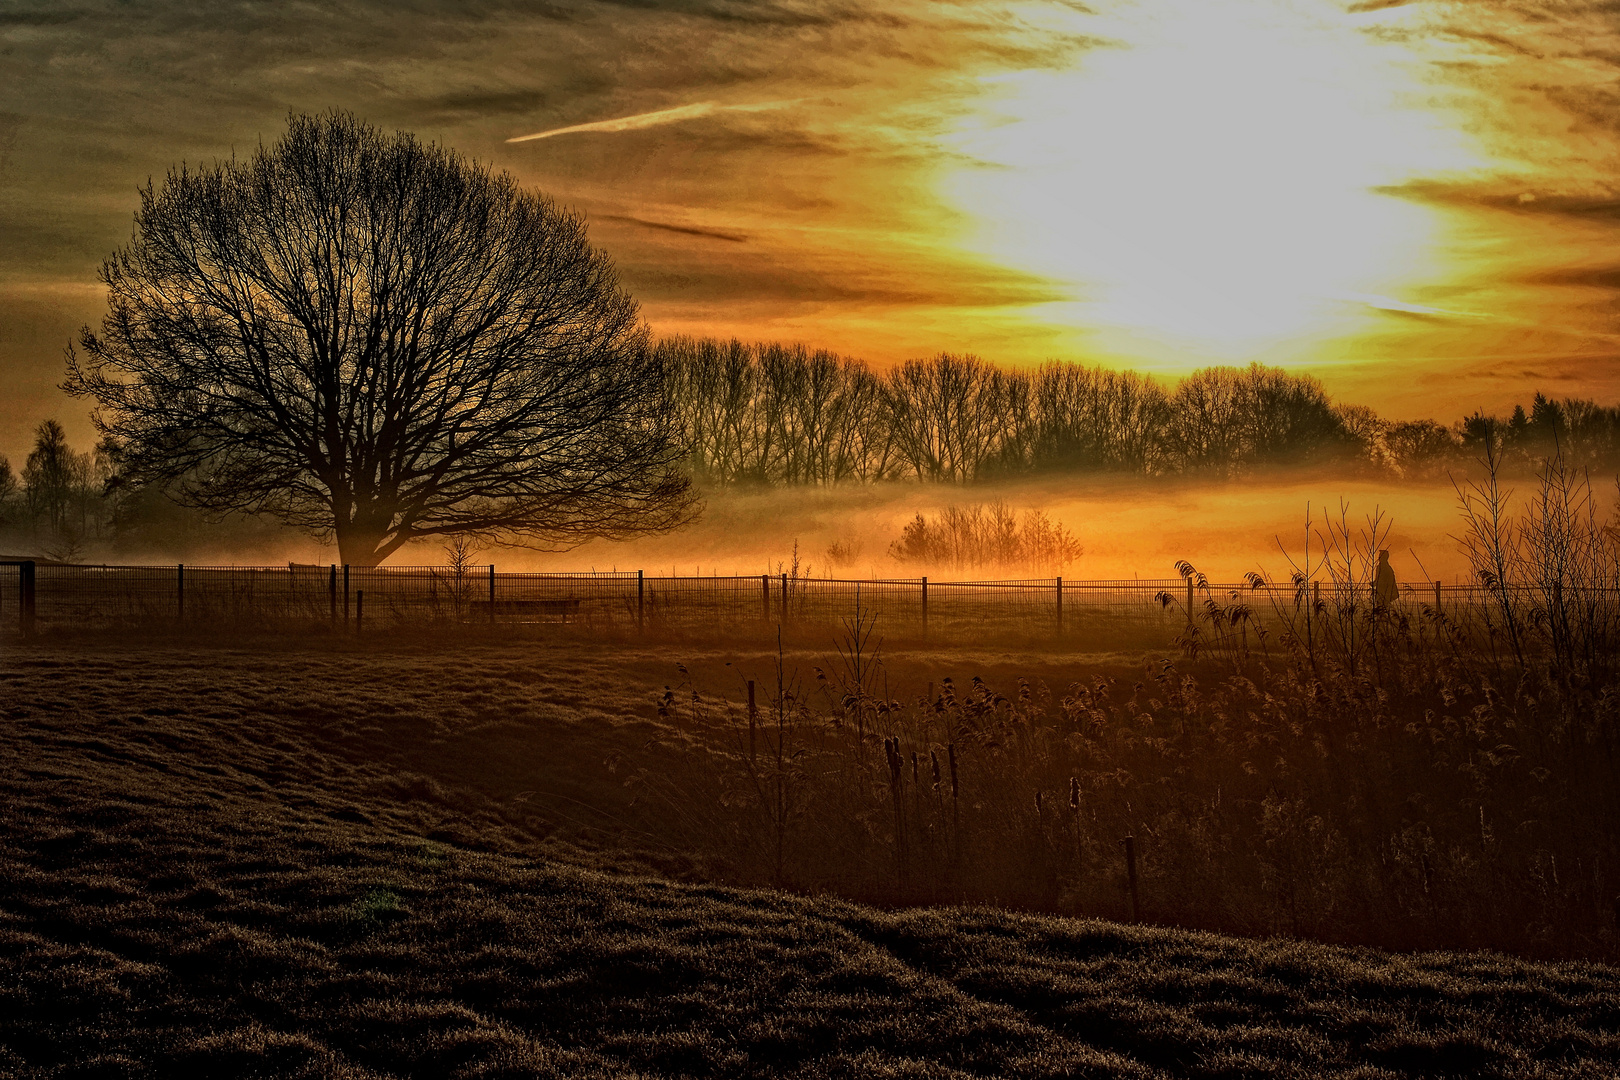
(841, 849)
(559, 856)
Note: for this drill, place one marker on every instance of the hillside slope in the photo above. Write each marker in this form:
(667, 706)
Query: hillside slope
(181, 890)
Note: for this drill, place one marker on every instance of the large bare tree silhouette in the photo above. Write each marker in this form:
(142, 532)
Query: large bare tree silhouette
(380, 340)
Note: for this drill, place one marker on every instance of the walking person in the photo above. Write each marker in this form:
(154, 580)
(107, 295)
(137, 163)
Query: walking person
(1384, 587)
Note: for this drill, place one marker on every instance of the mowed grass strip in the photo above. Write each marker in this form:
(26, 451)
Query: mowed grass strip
(239, 894)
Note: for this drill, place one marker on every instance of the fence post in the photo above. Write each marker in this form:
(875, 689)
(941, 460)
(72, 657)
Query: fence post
(345, 596)
(359, 611)
(753, 721)
(1130, 870)
(1060, 605)
(784, 599)
(26, 585)
(492, 594)
(1189, 601)
(1437, 598)
(765, 594)
(925, 604)
(180, 591)
(641, 600)
(331, 594)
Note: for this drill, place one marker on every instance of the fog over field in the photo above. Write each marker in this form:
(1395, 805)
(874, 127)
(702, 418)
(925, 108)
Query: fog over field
(1128, 528)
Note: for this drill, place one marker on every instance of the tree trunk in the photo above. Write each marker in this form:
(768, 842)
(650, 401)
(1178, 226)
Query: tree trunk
(359, 545)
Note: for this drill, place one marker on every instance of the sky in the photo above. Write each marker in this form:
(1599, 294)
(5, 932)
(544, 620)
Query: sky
(1417, 202)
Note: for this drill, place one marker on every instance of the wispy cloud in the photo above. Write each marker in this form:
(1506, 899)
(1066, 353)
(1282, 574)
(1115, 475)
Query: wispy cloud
(1389, 303)
(653, 119)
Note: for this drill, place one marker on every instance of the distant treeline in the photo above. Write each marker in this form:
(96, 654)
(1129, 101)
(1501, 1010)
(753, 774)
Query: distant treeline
(770, 414)
(60, 491)
(786, 414)
(64, 502)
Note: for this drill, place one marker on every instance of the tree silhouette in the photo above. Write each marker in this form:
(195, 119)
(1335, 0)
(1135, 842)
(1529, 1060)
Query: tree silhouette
(380, 340)
(49, 475)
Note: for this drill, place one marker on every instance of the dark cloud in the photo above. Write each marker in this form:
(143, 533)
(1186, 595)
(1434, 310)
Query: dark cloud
(1588, 277)
(1376, 5)
(770, 280)
(772, 15)
(685, 230)
(1488, 194)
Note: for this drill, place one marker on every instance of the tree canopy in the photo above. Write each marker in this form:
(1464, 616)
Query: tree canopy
(380, 340)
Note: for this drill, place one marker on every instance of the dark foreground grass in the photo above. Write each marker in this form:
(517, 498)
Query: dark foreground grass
(234, 886)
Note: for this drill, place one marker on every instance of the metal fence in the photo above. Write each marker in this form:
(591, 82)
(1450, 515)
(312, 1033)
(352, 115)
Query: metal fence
(37, 596)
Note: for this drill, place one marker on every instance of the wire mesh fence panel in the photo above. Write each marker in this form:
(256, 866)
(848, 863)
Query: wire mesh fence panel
(889, 602)
(98, 596)
(257, 594)
(408, 595)
(589, 599)
(700, 601)
(1089, 603)
(11, 620)
(986, 604)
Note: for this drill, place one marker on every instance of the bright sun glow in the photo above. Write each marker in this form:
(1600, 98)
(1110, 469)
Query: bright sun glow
(1206, 187)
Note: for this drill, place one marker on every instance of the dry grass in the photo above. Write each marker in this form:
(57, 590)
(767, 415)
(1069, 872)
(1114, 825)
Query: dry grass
(427, 860)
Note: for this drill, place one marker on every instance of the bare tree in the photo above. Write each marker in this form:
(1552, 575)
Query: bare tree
(1422, 449)
(1207, 431)
(380, 340)
(948, 415)
(49, 475)
(8, 489)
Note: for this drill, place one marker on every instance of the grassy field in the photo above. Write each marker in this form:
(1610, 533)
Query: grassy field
(441, 859)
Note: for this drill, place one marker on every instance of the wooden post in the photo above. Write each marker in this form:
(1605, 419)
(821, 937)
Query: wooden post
(26, 596)
(641, 600)
(1189, 601)
(359, 610)
(345, 596)
(1437, 598)
(492, 594)
(331, 594)
(925, 605)
(180, 592)
(753, 721)
(1060, 605)
(765, 594)
(1130, 870)
(784, 599)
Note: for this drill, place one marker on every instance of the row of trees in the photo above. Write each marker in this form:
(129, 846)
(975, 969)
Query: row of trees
(60, 494)
(775, 414)
(785, 414)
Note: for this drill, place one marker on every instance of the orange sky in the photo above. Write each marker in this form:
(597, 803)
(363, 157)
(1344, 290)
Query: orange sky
(1418, 202)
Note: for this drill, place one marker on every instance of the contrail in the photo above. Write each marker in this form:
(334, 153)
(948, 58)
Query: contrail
(653, 119)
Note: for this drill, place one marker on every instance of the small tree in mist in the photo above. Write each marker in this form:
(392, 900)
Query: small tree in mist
(381, 341)
(987, 535)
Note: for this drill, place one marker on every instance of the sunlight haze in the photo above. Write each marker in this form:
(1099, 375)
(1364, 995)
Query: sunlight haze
(1413, 201)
